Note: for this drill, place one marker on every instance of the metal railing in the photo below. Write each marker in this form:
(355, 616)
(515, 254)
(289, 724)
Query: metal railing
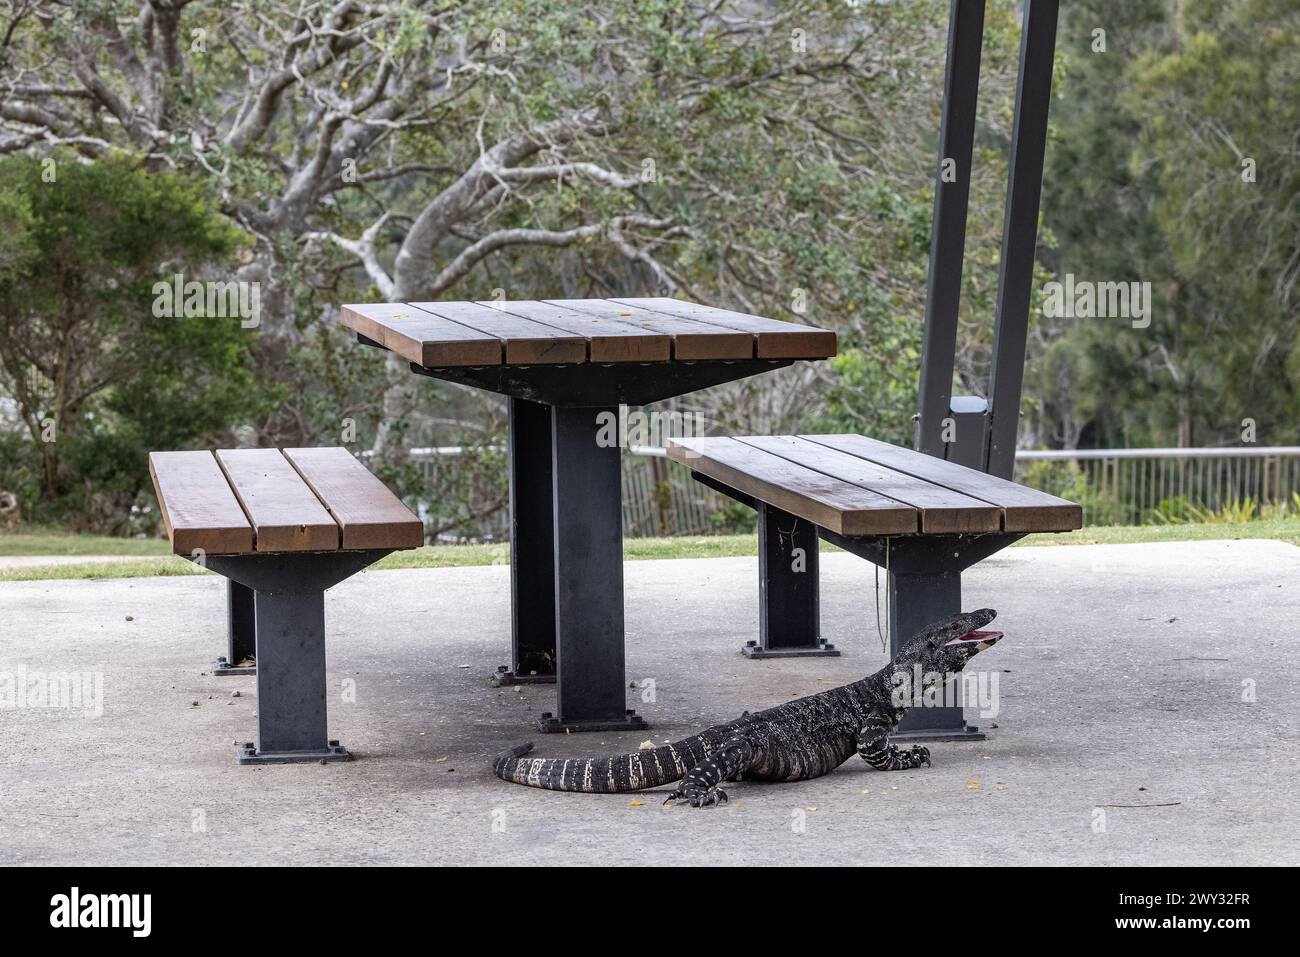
(1114, 486)
(1146, 486)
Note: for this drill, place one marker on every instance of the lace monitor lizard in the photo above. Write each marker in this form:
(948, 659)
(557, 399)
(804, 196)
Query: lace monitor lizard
(801, 739)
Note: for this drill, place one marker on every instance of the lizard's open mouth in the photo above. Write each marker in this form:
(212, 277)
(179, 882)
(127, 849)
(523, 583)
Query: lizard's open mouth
(981, 639)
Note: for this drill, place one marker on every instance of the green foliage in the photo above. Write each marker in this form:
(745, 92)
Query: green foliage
(1234, 512)
(1147, 181)
(1172, 510)
(97, 378)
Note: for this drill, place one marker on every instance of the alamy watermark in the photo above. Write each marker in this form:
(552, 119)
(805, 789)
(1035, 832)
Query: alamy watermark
(933, 689)
(631, 429)
(1084, 299)
(178, 299)
(74, 909)
(73, 690)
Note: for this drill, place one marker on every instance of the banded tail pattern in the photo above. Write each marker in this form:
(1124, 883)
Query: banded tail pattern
(621, 773)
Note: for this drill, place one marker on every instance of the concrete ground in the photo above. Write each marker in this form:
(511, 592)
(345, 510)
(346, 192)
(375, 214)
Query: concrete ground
(1148, 715)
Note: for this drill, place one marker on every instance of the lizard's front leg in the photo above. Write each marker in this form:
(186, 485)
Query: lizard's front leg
(700, 786)
(875, 749)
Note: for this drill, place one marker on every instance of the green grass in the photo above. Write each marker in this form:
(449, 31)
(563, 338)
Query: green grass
(1280, 529)
(42, 542)
(634, 549)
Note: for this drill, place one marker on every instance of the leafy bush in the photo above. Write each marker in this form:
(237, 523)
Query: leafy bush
(97, 380)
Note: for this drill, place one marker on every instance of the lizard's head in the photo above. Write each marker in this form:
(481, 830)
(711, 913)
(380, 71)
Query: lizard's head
(947, 645)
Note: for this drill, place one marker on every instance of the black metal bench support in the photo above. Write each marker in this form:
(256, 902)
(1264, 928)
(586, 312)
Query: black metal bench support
(241, 625)
(587, 513)
(925, 586)
(789, 616)
(289, 609)
(789, 582)
(532, 548)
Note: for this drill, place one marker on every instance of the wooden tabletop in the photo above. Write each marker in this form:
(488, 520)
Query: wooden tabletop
(244, 501)
(576, 331)
(856, 486)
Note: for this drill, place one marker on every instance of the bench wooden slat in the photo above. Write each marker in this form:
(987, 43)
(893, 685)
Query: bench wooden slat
(367, 513)
(942, 510)
(608, 340)
(692, 340)
(198, 507)
(826, 501)
(774, 339)
(1024, 509)
(286, 514)
(420, 337)
(527, 342)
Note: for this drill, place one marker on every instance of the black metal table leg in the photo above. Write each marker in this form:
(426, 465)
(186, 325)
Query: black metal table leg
(242, 627)
(532, 548)
(789, 615)
(588, 581)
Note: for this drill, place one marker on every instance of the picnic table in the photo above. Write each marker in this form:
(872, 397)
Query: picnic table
(566, 365)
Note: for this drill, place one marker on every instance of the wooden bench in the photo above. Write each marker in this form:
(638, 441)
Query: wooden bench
(923, 518)
(282, 526)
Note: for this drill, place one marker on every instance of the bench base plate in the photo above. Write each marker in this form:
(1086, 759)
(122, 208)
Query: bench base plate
(549, 724)
(504, 677)
(248, 754)
(222, 667)
(966, 733)
(823, 649)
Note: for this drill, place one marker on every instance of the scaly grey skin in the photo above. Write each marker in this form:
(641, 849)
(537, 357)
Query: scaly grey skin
(801, 739)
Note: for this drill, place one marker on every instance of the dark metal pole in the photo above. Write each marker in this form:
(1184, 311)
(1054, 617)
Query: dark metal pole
(291, 712)
(788, 613)
(588, 581)
(532, 547)
(241, 626)
(1020, 231)
(916, 600)
(948, 230)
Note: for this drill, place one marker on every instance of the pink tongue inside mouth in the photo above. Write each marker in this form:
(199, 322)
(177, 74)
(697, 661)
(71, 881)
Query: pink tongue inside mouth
(976, 636)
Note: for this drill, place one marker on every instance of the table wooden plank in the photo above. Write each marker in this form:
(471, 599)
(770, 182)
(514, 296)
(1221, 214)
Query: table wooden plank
(366, 511)
(286, 514)
(1024, 509)
(607, 340)
(527, 342)
(775, 339)
(822, 499)
(422, 338)
(199, 509)
(942, 510)
(692, 340)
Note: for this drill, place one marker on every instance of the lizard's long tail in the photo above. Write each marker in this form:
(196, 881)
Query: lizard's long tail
(623, 772)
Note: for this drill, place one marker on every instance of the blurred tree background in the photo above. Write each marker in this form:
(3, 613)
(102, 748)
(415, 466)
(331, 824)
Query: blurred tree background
(772, 157)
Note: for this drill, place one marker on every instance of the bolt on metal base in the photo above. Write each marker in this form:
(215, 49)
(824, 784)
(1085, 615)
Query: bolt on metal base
(549, 724)
(823, 649)
(248, 754)
(504, 677)
(222, 667)
(965, 733)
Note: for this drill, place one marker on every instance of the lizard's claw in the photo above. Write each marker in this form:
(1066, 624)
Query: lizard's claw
(920, 756)
(697, 796)
(709, 798)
